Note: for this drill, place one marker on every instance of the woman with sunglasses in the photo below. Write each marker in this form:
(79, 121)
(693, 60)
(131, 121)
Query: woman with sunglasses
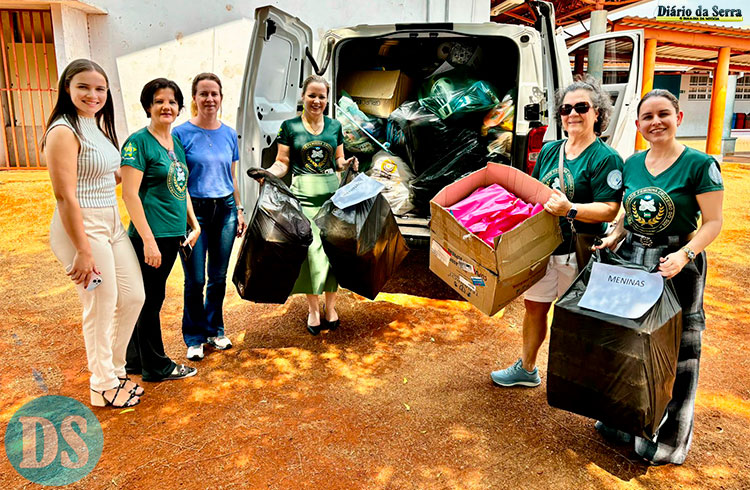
(592, 174)
(154, 189)
(212, 156)
(667, 189)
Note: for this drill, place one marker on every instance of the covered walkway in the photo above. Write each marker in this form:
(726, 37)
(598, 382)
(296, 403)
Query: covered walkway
(720, 49)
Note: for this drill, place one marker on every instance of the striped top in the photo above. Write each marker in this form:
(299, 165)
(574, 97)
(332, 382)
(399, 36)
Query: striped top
(98, 160)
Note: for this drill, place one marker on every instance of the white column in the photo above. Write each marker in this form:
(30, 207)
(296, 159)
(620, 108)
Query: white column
(597, 25)
(71, 32)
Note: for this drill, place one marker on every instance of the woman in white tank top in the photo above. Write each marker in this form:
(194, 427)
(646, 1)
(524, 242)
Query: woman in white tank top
(86, 233)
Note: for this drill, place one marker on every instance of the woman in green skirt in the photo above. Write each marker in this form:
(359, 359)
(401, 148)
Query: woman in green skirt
(312, 145)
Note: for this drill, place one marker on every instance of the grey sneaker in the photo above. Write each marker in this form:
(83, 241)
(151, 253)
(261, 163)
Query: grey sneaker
(182, 371)
(195, 352)
(221, 343)
(516, 375)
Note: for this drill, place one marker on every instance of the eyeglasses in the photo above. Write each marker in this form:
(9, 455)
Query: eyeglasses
(579, 107)
(172, 156)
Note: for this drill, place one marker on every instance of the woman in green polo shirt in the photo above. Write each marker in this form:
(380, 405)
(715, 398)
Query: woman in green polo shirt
(154, 189)
(667, 189)
(312, 145)
(585, 175)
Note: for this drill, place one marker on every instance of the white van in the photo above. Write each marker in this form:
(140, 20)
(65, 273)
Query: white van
(532, 60)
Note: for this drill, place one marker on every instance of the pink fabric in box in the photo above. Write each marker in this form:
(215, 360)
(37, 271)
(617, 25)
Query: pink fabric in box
(491, 211)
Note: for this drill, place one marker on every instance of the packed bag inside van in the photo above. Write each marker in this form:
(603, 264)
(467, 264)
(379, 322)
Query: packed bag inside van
(275, 244)
(396, 177)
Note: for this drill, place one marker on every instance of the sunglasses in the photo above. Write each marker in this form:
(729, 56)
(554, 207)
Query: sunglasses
(172, 156)
(580, 108)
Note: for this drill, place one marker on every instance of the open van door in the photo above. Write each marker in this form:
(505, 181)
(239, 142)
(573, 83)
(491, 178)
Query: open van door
(615, 58)
(555, 68)
(277, 64)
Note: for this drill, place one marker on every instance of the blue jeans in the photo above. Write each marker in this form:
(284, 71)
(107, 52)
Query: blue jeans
(202, 316)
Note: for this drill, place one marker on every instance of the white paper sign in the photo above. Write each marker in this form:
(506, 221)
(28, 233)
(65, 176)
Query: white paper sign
(618, 291)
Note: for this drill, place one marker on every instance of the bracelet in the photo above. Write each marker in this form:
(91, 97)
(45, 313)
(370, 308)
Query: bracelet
(240, 208)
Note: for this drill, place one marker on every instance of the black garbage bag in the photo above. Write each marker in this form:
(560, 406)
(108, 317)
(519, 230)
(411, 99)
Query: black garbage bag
(362, 242)
(275, 244)
(617, 370)
(466, 155)
(419, 136)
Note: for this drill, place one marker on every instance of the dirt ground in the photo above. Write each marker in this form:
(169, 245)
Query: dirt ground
(399, 397)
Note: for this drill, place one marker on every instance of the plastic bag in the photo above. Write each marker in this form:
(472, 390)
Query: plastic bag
(613, 369)
(502, 115)
(464, 155)
(363, 244)
(395, 176)
(355, 139)
(449, 97)
(501, 143)
(275, 245)
(419, 136)
(490, 211)
(361, 188)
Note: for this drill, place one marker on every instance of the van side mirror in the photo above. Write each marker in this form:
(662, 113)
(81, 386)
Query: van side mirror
(531, 112)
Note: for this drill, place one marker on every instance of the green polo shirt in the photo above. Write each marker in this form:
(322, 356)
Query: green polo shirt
(311, 153)
(665, 204)
(593, 176)
(164, 185)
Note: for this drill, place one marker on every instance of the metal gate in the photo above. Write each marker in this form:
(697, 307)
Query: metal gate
(27, 86)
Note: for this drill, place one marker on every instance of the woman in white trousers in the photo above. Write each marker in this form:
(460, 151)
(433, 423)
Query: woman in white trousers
(86, 233)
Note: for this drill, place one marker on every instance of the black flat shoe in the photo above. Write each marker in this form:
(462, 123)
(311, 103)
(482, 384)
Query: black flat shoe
(314, 329)
(334, 325)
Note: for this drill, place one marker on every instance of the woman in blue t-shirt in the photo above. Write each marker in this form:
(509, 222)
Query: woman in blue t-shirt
(667, 189)
(212, 156)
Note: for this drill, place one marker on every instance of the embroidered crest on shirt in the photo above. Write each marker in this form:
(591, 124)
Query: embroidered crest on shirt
(316, 155)
(650, 210)
(552, 179)
(614, 179)
(128, 151)
(177, 180)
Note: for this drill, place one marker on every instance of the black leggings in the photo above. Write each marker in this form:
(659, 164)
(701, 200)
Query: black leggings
(146, 350)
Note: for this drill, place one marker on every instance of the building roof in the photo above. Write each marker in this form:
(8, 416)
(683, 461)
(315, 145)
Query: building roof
(684, 44)
(566, 11)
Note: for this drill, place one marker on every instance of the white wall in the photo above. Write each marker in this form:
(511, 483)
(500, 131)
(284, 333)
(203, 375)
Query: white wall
(695, 121)
(144, 39)
(70, 31)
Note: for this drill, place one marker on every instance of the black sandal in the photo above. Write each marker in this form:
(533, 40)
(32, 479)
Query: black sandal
(99, 400)
(136, 387)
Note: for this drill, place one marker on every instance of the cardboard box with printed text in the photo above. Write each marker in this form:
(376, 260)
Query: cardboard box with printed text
(491, 277)
(377, 93)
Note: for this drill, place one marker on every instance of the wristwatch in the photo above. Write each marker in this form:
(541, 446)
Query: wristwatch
(572, 213)
(689, 252)
(240, 208)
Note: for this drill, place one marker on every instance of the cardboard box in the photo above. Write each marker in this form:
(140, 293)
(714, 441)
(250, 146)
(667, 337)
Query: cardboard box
(377, 93)
(490, 278)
